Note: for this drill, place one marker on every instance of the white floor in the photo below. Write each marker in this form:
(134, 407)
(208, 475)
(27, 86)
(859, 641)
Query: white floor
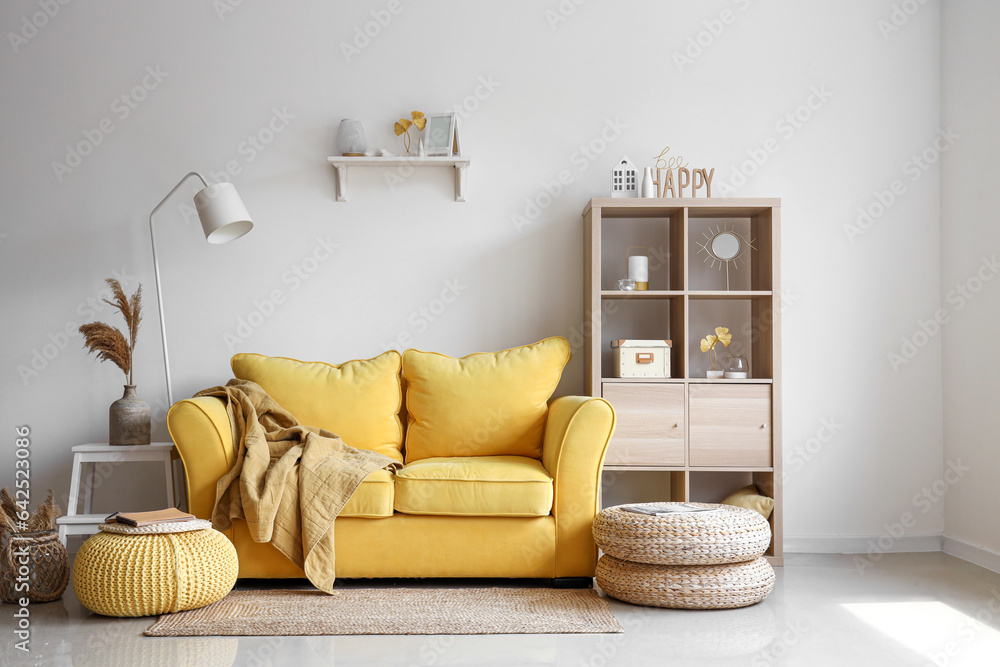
(907, 609)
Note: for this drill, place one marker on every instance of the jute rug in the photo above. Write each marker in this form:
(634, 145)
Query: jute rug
(395, 611)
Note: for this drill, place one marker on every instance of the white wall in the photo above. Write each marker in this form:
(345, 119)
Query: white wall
(875, 100)
(970, 234)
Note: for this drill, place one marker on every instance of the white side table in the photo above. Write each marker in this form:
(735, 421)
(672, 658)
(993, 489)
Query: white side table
(101, 452)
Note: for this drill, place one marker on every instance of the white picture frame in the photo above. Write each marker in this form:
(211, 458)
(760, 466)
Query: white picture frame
(441, 134)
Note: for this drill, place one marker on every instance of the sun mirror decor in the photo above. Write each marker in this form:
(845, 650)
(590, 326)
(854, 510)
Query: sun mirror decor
(726, 245)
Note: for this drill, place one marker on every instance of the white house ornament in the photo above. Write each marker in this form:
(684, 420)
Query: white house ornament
(624, 179)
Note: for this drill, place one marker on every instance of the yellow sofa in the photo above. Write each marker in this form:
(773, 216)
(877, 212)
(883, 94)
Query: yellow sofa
(498, 480)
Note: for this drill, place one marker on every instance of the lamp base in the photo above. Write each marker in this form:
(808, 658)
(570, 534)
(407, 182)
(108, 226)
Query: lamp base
(641, 286)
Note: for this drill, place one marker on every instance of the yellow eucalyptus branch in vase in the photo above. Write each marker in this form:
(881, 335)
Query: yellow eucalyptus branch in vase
(403, 126)
(708, 344)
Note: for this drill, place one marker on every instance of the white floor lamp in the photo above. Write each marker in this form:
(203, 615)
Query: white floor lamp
(223, 218)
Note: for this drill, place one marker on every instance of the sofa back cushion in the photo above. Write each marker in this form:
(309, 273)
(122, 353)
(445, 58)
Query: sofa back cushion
(358, 400)
(488, 404)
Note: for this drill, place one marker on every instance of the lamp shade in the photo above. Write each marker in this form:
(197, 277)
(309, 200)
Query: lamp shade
(222, 213)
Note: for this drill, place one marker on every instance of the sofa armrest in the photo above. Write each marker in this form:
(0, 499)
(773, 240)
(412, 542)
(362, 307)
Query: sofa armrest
(204, 439)
(577, 433)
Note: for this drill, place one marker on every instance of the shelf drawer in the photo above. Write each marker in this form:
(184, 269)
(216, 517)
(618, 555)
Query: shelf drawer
(730, 425)
(650, 423)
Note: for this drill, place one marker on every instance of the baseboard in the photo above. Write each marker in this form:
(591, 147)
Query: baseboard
(861, 544)
(980, 556)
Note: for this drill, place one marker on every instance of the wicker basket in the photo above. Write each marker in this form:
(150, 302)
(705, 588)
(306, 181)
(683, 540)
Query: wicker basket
(47, 568)
(727, 535)
(686, 586)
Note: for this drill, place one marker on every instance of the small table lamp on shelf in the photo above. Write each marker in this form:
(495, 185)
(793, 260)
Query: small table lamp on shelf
(223, 218)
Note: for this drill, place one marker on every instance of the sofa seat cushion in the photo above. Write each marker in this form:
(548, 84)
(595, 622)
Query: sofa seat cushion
(373, 499)
(487, 404)
(358, 400)
(474, 486)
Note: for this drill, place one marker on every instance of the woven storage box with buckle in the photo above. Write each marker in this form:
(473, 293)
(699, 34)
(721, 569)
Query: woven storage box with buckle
(641, 358)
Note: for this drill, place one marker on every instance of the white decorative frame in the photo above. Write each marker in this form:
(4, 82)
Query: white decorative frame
(436, 143)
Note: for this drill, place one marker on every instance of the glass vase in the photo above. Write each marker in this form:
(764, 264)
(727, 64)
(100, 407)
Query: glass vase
(736, 368)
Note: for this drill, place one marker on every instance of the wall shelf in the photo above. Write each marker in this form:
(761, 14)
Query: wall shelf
(342, 162)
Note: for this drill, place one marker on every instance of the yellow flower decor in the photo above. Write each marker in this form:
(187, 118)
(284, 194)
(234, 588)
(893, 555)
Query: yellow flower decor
(403, 126)
(709, 342)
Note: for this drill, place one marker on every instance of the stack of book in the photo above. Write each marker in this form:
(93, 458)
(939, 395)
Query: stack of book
(139, 519)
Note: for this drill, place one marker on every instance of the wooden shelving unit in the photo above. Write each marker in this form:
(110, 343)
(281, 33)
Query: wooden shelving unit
(688, 425)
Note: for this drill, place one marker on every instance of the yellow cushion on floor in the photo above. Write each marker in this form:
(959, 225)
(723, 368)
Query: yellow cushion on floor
(474, 486)
(751, 498)
(373, 499)
(147, 575)
(358, 400)
(489, 404)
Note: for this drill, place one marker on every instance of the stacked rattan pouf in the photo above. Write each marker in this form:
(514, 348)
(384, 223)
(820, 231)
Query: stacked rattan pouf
(696, 560)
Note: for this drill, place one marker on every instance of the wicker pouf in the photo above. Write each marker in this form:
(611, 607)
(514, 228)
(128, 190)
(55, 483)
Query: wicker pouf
(692, 560)
(146, 574)
(727, 535)
(686, 586)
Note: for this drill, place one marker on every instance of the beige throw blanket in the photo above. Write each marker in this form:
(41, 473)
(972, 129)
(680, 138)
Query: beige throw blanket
(289, 481)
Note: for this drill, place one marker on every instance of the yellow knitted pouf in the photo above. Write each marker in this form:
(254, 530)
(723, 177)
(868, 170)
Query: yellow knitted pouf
(147, 575)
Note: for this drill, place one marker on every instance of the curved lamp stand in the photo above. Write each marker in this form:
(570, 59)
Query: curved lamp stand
(223, 218)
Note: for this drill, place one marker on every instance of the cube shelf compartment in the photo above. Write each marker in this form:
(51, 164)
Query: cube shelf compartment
(700, 432)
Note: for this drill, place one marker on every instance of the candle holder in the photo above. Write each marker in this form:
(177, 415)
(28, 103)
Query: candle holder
(638, 267)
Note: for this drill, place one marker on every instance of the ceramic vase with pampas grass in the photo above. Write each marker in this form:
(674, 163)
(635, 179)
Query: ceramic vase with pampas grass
(129, 418)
